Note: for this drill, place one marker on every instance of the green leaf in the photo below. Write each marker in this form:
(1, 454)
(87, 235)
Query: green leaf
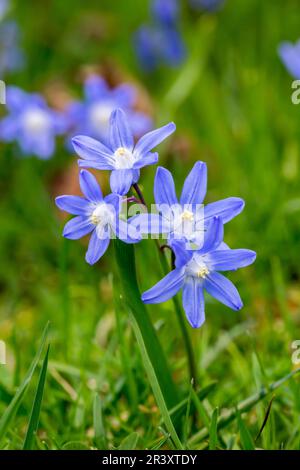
(213, 430)
(154, 382)
(13, 407)
(126, 265)
(75, 445)
(36, 407)
(100, 434)
(130, 442)
(245, 436)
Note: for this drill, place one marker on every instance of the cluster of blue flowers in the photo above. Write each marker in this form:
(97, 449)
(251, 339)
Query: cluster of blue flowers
(193, 231)
(35, 126)
(160, 42)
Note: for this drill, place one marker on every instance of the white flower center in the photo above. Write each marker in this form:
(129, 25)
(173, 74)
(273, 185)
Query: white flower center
(36, 121)
(184, 224)
(124, 159)
(99, 115)
(197, 267)
(102, 216)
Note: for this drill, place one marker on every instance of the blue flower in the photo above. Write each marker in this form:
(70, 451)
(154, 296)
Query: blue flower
(165, 11)
(96, 215)
(31, 123)
(186, 219)
(209, 5)
(198, 271)
(290, 56)
(122, 156)
(11, 56)
(91, 117)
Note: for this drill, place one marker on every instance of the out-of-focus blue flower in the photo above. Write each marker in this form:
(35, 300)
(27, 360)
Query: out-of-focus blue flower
(290, 56)
(121, 156)
(209, 5)
(156, 45)
(165, 11)
(91, 117)
(4, 7)
(160, 42)
(196, 271)
(186, 219)
(31, 123)
(95, 215)
(11, 56)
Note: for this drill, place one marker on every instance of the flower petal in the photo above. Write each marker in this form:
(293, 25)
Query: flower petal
(153, 138)
(229, 260)
(194, 188)
(95, 87)
(166, 288)
(213, 235)
(97, 248)
(120, 132)
(77, 228)
(226, 208)
(150, 223)
(127, 232)
(90, 186)
(75, 205)
(222, 289)
(193, 301)
(150, 159)
(164, 188)
(93, 151)
(182, 254)
(120, 181)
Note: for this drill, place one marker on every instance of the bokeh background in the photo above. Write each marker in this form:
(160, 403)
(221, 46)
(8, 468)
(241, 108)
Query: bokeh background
(230, 97)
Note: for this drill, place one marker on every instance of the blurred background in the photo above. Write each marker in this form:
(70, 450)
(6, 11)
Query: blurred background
(214, 69)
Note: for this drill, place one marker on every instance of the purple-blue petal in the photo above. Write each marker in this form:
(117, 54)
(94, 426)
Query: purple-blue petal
(120, 132)
(150, 140)
(229, 260)
(193, 301)
(75, 205)
(194, 188)
(77, 227)
(165, 288)
(213, 235)
(164, 188)
(97, 247)
(219, 287)
(90, 186)
(120, 181)
(182, 254)
(93, 151)
(227, 209)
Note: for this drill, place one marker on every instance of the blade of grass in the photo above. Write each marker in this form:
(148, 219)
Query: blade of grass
(213, 430)
(265, 418)
(99, 428)
(36, 407)
(13, 407)
(242, 407)
(156, 386)
(130, 442)
(126, 265)
(245, 436)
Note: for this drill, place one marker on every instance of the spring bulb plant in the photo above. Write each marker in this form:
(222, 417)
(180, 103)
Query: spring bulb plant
(194, 232)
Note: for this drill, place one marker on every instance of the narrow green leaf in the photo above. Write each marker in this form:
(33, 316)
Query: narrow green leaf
(13, 407)
(36, 407)
(245, 436)
(99, 428)
(200, 409)
(126, 265)
(156, 386)
(265, 418)
(130, 442)
(213, 430)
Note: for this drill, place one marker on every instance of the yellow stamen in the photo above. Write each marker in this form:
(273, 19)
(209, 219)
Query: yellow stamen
(203, 272)
(187, 215)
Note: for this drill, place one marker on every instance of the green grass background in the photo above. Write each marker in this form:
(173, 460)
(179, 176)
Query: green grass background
(231, 104)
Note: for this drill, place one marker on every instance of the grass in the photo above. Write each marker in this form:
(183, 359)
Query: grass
(231, 103)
